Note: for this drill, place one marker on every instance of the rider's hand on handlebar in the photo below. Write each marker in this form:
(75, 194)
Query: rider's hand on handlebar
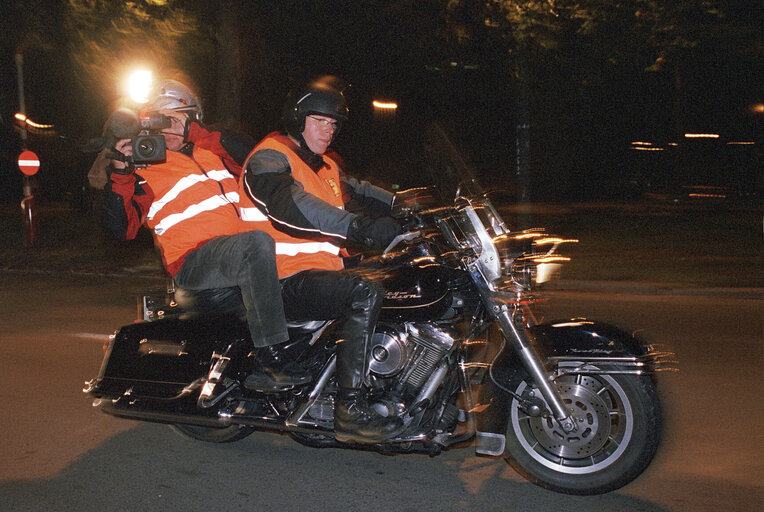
(374, 233)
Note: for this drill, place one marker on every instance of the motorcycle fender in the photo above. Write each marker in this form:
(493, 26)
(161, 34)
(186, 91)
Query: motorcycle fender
(569, 339)
(160, 358)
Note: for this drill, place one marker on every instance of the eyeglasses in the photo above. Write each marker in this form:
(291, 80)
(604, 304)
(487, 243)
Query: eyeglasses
(325, 123)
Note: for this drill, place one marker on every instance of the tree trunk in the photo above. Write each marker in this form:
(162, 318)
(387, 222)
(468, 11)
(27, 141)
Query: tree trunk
(229, 73)
(522, 130)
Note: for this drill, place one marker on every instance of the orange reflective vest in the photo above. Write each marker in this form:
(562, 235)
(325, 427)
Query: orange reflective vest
(195, 200)
(296, 254)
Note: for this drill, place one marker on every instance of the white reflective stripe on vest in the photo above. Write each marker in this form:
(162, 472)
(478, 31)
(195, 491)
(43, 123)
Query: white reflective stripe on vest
(183, 184)
(252, 214)
(195, 209)
(288, 249)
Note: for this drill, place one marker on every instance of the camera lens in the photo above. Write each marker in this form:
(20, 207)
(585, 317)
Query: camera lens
(146, 147)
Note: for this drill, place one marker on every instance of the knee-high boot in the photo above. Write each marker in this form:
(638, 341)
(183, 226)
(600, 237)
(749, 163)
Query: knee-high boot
(354, 419)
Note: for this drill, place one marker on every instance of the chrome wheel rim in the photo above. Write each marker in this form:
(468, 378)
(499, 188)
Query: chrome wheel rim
(604, 419)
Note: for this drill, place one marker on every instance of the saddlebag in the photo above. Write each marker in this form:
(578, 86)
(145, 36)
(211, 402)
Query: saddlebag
(160, 359)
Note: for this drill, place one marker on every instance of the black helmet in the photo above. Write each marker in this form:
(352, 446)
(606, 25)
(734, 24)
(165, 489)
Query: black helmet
(318, 97)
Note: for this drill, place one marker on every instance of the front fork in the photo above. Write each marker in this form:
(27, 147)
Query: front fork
(532, 362)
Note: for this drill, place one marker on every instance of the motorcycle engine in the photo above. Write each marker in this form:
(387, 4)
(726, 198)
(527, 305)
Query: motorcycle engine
(405, 357)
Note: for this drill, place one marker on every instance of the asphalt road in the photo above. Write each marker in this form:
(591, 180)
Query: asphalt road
(59, 454)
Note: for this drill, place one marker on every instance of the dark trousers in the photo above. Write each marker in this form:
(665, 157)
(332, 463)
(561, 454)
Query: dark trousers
(246, 260)
(331, 294)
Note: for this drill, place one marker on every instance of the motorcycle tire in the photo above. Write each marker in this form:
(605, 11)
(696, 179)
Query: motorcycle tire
(227, 434)
(619, 429)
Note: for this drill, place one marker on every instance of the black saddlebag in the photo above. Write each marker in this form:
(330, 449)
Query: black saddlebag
(159, 359)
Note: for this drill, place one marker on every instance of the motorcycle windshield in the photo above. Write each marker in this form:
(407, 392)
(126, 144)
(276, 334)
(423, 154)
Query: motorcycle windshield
(479, 221)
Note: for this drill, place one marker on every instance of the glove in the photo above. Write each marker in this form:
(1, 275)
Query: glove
(374, 233)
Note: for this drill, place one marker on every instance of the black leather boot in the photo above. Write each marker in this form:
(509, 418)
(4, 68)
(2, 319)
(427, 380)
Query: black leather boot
(274, 371)
(354, 419)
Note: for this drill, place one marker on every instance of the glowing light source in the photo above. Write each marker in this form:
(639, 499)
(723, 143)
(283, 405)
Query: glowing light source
(139, 86)
(701, 135)
(384, 105)
(742, 143)
(25, 119)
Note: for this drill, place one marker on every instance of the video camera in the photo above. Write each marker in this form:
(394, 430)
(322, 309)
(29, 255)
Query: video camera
(150, 148)
(149, 145)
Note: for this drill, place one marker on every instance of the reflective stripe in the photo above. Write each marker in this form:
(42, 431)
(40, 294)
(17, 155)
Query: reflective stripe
(252, 214)
(195, 209)
(288, 249)
(183, 184)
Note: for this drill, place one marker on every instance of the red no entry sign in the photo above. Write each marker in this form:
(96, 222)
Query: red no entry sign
(29, 162)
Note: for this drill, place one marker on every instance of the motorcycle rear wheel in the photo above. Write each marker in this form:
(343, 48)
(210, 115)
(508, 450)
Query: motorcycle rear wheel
(227, 434)
(619, 428)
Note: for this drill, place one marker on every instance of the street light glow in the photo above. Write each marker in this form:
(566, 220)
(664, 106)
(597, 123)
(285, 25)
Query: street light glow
(701, 135)
(24, 119)
(385, 105)
(139, 86)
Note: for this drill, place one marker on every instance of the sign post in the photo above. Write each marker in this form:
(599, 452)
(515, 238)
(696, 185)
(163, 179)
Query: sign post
(29, 164)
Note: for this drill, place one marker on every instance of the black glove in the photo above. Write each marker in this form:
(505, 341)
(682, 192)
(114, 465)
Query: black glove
(374, 233)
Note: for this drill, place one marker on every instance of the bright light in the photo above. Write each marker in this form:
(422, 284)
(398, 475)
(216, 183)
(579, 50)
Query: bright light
(757, 108)
(701, 135)
(25, 119)
(385, 105)
(139, 86)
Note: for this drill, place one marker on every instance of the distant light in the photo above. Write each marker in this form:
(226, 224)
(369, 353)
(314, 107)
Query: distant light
(701, 135)
(25, 119)
(742, 143)
(757, 108)
(385, 105)
(640, 143)
(673, 144)
(643, 148)
(139, 86)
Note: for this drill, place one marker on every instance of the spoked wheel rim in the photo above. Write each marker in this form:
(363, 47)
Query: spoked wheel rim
(604, 419)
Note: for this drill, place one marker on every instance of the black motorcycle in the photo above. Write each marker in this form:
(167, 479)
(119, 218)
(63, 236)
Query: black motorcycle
(457, 354)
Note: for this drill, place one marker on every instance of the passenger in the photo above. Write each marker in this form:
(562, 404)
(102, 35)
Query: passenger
(191, 204)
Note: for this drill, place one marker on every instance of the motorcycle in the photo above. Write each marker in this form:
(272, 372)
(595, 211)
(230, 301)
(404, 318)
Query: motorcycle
(457, 353)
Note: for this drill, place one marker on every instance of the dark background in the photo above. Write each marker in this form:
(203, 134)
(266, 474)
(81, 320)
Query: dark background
(584, 93)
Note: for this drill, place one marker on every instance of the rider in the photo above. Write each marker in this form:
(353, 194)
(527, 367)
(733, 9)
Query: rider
(299, 196)
(191, 204)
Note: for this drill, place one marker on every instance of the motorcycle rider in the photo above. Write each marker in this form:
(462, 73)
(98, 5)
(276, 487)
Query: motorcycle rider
(299, 196)
(191, 204)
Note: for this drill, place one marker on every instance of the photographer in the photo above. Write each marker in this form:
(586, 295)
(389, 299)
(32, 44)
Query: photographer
(190, 202)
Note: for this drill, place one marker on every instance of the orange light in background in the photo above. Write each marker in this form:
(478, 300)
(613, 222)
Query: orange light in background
(384, 105)
(701, 135)
(757, 108)
(25, 119)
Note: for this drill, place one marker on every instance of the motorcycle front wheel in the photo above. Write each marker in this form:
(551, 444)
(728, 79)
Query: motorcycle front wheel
(211, 434)
(619, 422)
